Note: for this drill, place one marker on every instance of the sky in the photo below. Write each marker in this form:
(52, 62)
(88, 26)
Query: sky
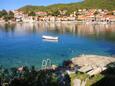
(15, 4)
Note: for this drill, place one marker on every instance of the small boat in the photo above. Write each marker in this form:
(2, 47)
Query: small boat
(50, 37)
(50, 40)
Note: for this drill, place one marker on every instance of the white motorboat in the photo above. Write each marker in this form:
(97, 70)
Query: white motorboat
(49, 40)
(50, 37)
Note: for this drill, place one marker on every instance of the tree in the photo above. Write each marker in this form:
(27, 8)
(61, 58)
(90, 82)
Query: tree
(0, 14)
(6, 17)
(4, 12)
(55, 13)
(11, 14)
(95, 14)
(68, 13)
(31, 13)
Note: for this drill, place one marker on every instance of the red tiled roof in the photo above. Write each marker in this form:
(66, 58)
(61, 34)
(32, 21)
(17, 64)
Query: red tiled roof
(41, 13)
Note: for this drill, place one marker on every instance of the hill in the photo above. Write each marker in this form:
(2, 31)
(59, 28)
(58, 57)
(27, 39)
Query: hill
(94, 4)
(103, 4)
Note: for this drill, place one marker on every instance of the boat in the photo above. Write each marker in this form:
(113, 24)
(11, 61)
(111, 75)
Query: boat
(50, 37)
(50, 40)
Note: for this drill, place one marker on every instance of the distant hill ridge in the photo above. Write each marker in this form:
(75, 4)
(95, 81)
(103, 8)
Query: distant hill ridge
(93, 4)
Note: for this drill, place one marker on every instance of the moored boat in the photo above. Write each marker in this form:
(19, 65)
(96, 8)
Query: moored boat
(50, 37)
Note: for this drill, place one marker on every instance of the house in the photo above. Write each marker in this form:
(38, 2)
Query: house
(71, 18)
(58, 18)
(52, 18)
(81, 17)
(41, 13)
(28, 19)
(110, 18)
(113, 12)
(2, 20)
(100, 18)
(64, 18)
(18, 15)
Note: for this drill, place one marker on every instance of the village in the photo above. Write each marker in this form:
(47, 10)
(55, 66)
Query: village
(83, 15)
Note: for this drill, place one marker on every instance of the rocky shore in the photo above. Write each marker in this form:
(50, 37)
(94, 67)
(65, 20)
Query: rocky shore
(94, 60)
(90, 65)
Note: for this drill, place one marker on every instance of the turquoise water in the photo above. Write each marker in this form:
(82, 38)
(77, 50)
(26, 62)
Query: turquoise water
(22, 44)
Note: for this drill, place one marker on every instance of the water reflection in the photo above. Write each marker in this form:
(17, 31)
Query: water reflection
(49, 40)
(96, 31)
(22, 43)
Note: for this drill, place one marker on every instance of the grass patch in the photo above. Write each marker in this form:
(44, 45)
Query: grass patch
(94, 79)
(78, 75)
(83, 76)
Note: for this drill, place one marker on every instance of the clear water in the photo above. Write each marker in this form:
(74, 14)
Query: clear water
(22, 44)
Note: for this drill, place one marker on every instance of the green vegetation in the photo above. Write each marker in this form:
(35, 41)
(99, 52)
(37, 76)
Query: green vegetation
(94, 79)
(93, 4)
(31, 13)
(104, 4)
(31, 77)
(6, 15)
(78, 75)
(55, 13)
(83, 76)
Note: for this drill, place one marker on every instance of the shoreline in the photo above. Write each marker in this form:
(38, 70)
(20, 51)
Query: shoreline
(84, 22)
(92, 60)
(83, 60)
